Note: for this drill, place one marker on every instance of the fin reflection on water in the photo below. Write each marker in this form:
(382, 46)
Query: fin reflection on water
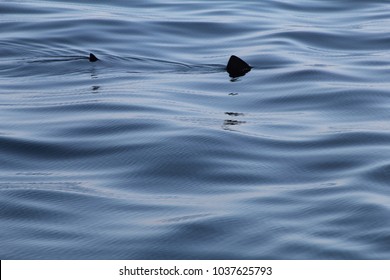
(229, 123)
(234, 114)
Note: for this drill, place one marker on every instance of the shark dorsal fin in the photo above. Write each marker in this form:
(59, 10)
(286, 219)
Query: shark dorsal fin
(236, 67)
(92, 57)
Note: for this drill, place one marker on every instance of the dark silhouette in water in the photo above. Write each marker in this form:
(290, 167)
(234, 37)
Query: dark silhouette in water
(92, 57)
(236, 67)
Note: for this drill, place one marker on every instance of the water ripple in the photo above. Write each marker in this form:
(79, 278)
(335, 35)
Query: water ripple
(154, 152)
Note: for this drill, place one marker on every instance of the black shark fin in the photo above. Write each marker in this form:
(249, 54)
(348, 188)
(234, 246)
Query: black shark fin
(92, 57)
(236, 67)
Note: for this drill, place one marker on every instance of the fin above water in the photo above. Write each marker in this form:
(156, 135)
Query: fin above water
(236, 67)
(92, 57)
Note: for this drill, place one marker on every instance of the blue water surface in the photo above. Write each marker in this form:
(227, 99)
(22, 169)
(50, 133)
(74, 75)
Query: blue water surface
(154, 152)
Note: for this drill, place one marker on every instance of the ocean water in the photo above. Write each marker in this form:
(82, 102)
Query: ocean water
(154, 152)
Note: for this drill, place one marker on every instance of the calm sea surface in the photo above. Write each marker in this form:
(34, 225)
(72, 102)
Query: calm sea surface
(154, 152)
